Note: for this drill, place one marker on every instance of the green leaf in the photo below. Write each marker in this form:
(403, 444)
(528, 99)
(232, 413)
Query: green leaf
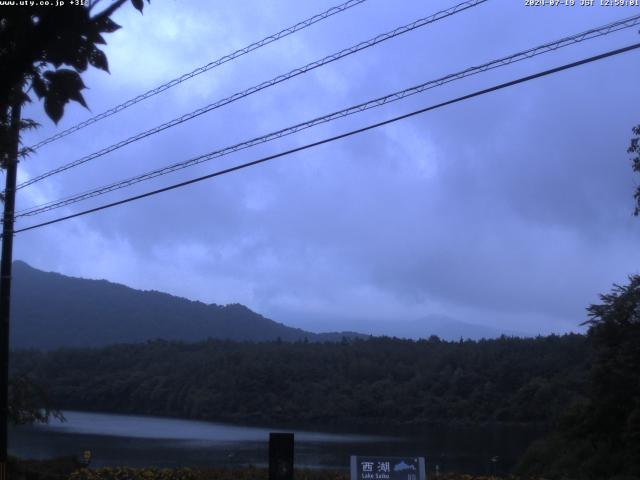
(38, 85)
(64, 79)
(98, 59)
(54, 107)
(79, 61)
(28, 124)
(138, 5)
(64, 85)
(77, 96)
(106, 25)
(55, 52)
(95, 37)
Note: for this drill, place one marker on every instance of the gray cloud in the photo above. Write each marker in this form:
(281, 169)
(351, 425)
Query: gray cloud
(512, 210)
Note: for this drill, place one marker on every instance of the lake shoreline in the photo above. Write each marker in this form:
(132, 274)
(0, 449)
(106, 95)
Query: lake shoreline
(368, 427)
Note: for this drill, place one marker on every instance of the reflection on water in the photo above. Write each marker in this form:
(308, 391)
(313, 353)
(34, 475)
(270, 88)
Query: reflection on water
(163, 442)
(85, 423)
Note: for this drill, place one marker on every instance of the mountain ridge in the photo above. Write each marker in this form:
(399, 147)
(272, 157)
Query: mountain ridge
(92, 313)
(98, 312)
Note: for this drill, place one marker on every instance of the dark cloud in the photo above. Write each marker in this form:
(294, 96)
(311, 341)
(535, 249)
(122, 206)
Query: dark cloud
(512, 210)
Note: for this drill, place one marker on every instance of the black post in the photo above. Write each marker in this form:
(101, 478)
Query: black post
(281, 456)
(5, 280)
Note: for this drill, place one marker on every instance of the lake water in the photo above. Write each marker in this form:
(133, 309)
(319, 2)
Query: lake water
(127, 440)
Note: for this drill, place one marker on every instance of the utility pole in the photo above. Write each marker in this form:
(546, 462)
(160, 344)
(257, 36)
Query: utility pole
(11, 157)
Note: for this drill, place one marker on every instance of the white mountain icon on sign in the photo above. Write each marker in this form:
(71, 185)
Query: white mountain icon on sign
(399, 467)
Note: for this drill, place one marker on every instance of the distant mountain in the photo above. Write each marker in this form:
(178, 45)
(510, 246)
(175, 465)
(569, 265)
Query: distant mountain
(443, 326)
(50, 310)
(448, 328)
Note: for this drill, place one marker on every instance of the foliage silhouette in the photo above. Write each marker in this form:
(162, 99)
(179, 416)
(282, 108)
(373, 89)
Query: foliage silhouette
(600, 438)
(379, 381)
(43, 48)
(48, 48)
(634, 148)
(29, 403)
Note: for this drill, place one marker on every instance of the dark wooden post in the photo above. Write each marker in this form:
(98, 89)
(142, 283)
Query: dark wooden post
(11, 158)
(281, 456)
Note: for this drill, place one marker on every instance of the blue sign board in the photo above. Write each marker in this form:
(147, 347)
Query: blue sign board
(387, 468)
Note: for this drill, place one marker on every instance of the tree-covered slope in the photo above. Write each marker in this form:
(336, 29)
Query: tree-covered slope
(380, 380)
(50, 310)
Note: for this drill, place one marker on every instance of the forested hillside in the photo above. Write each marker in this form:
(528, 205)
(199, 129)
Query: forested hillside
(381, 380)
(50, 310)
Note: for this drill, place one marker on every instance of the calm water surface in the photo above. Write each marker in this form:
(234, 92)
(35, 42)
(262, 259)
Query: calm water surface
(138, 441)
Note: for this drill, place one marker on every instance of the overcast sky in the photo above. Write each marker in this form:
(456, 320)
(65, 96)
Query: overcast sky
(512, 210)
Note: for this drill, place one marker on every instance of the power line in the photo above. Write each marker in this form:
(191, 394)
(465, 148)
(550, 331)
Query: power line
(269, 83)
(205, 68)
(341, 136)
(526, 54)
